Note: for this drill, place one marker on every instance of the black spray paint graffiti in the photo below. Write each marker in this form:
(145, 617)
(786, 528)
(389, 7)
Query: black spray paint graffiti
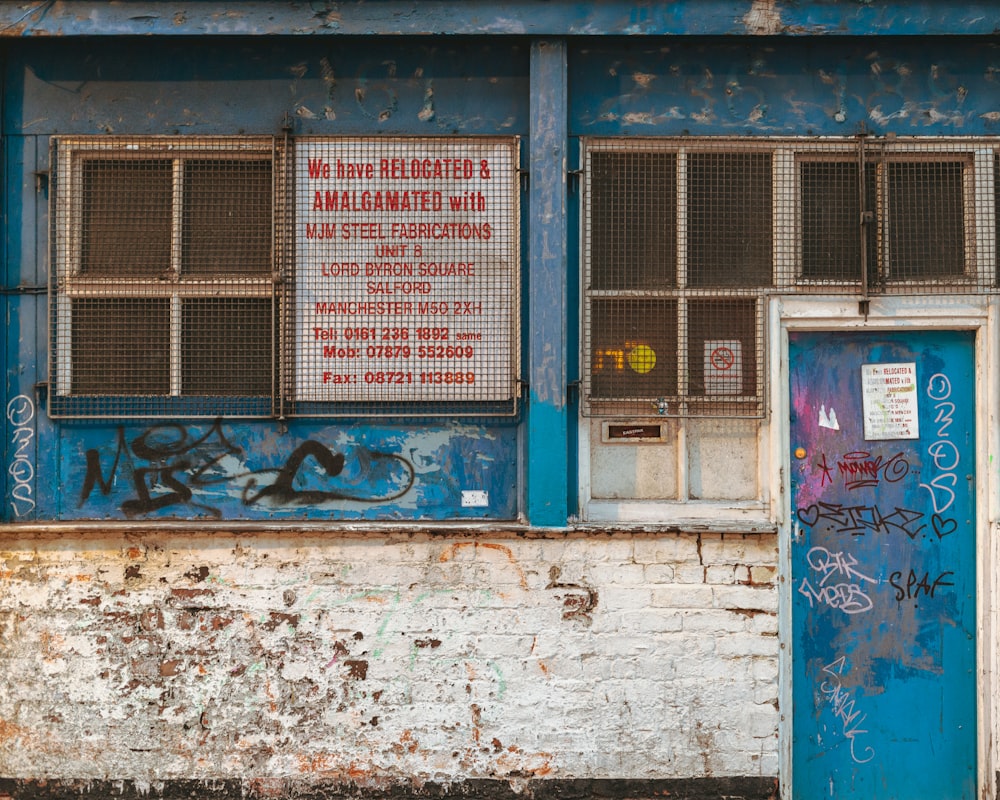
(915, 585)
(171, 467)
(861, 520)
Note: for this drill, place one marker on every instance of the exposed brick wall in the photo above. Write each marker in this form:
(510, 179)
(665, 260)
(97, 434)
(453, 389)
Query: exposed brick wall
(387, 656)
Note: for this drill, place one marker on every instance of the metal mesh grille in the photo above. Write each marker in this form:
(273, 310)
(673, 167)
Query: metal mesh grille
(922, 221)
(831, 207)
(164, 293)
(634, 196)
(728, 220)
(239, 330)
(406, 292)
(685, 239)
(678, 250)
(121, 346)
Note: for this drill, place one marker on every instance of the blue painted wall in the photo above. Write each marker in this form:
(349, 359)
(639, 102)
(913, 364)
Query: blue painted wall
(770, 86)
(460, 69)
(231, 469)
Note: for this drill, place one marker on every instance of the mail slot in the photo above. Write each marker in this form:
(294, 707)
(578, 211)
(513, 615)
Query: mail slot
(630, 433)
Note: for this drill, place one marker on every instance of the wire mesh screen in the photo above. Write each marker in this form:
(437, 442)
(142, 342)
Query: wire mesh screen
(406, 288)
(889, 219)
(677, 252)
(685, 239)
(163, 286)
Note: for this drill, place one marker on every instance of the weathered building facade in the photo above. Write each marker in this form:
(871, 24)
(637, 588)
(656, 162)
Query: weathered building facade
(461, 398)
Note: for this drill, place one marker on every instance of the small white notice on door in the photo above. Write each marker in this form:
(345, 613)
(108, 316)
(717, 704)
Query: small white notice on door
(889, 397)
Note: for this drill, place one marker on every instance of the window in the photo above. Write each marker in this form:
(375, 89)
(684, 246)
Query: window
(684, 244)
(165, 290)
(680, 252)
(683, 239)
(247, 276)
(909, 224)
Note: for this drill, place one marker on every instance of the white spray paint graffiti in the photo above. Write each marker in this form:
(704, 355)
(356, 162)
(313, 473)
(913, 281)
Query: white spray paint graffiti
(943, 451)
(843, 705)
(849, 598)
(20, 413)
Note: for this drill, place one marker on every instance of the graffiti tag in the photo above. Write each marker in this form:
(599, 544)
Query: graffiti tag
(169, 466)
(848, 595)
(20, 413)
(943, 451)
(843, 705)
(860, 520)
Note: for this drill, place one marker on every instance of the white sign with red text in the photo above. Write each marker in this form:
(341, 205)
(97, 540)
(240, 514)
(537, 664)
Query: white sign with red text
(406, 279)
(889, 401)
(723, 366)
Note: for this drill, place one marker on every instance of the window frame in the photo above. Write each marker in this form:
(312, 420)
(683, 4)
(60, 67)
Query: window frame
(69, 283)
(682, 403)
(277, 286)
(975, 155)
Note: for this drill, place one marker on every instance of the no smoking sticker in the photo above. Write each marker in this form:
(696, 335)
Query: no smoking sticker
(723, 366)
(722, 358)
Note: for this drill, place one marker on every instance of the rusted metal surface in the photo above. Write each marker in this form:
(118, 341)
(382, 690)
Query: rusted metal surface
(473, 17)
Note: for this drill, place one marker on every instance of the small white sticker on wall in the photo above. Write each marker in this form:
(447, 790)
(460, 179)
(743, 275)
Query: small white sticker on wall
(474, 498)
(828, 420)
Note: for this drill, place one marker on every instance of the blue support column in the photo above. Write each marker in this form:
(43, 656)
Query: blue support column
(546, 446)
(23, 354)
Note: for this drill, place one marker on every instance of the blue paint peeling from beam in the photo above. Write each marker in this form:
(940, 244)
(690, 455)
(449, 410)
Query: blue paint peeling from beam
(520, 17)
(797, 87)
(347, 87)
(546, 330)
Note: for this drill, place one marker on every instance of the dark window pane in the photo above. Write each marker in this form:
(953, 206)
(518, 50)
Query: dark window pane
(925, 220)
(121, 346)
(722, 347)
(125, 217)
(633, 223)
(633, 348)
(227, 217)
(831, 221)
(729, 219)
(226, 347)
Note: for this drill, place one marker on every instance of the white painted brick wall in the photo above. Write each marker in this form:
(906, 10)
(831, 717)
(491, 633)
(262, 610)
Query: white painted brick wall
(428, 657)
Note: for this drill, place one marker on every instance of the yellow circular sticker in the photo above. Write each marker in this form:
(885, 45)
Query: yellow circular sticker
(642, 358)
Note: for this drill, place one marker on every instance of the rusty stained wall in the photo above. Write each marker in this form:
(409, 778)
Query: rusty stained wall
(387, 656)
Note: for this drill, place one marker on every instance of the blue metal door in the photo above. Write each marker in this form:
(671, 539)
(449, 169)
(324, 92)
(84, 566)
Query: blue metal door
(883, 565)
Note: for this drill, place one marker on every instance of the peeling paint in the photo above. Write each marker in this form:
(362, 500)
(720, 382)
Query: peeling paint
(478, 17)
(763, 18)
(439, 660)
(897, 86)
